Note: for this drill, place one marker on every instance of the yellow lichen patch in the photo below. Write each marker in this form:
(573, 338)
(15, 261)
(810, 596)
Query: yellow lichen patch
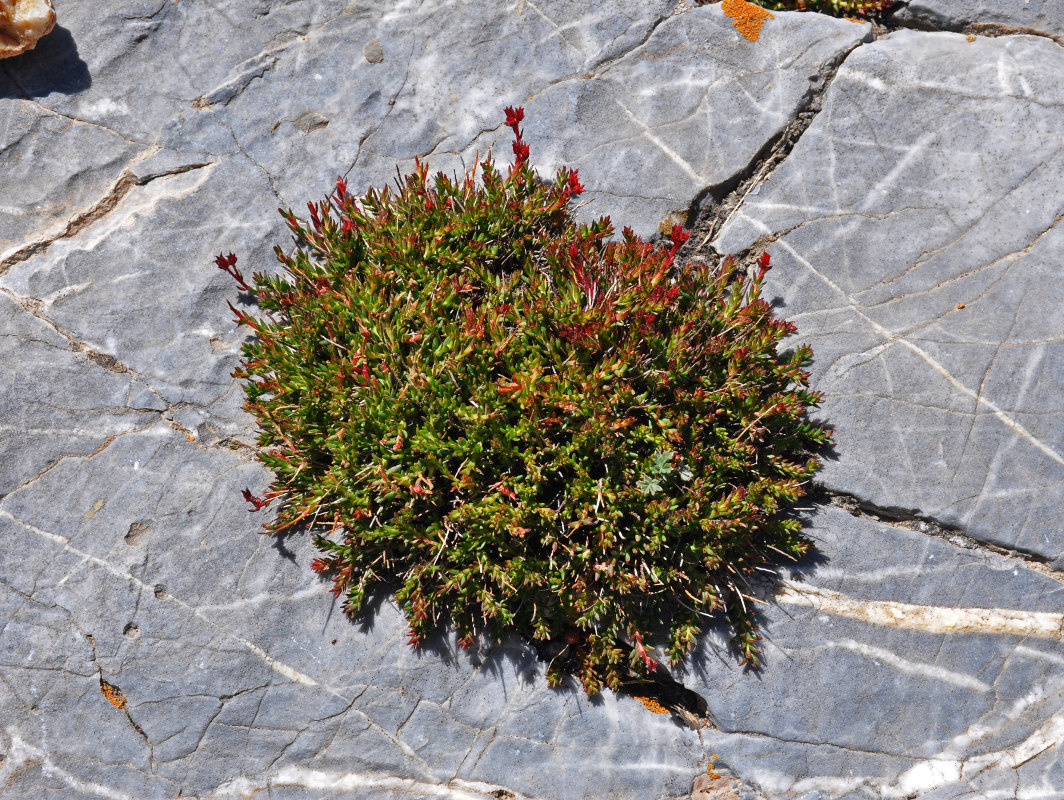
(970, 38)
(746, 17)
(672, 218)
(114, 694)
(652, 704)
(709, 769)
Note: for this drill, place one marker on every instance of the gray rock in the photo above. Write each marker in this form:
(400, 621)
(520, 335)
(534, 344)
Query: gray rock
(908, 197)
(652, 110)
(1044, 17)
(862, 695)
(154, 647)
(58, 402)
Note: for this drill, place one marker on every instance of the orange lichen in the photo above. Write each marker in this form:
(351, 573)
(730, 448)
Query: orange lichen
(746, 17)
(709, 768)
(114, 694)
(652, 704)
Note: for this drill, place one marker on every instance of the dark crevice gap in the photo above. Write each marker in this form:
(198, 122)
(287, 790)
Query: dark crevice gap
(661, 693)
(97, 211)
(913, 521)
(716, 204)
(941, 25)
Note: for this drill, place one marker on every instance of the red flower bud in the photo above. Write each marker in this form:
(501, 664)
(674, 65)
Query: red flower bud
(228, 263)
(514, 116)
(763, 263)
(573, 186)
(258, 502)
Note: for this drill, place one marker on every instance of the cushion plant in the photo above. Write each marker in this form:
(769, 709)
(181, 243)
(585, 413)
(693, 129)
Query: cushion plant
(523, 423)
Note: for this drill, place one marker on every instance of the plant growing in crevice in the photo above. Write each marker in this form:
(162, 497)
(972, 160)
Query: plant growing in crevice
(838, 8)
(524, 423)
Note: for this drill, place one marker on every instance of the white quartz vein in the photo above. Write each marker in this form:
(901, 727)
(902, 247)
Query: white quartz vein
(672, 154)
(455, 789)
(279, 667)
(21, 752)
(949, 766)
(910, 667)
(929, 619)
(980, 400)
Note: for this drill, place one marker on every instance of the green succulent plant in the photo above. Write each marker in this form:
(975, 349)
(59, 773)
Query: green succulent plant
(525, 424)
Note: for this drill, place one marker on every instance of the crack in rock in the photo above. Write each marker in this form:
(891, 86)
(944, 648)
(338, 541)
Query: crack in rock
(716, 204)
(115, 696)
(914, 521)
(101, 208)
(253, 68)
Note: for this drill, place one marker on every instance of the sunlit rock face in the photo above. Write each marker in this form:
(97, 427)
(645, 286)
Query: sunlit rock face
(1041, 17)
(22, 23)
(153, 645)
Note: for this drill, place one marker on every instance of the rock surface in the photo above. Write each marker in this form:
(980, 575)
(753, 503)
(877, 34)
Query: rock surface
(1043, 17)
(153, 646)
(919, 254)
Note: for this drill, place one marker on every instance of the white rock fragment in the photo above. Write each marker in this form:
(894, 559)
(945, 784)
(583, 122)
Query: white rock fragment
(22, 23)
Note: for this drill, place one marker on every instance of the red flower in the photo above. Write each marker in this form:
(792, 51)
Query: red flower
(763, 263)
(258, 502)
(573, 186)
(228, 263)
(514, 116)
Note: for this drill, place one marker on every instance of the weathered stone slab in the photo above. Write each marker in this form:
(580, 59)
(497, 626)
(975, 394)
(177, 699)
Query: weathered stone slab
(652, 109)
(877, 683)
(918, 240)
(238, 670)
(55, 402)
(153, 646)
(1044, 17)
(107, 284)
(687, 111)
